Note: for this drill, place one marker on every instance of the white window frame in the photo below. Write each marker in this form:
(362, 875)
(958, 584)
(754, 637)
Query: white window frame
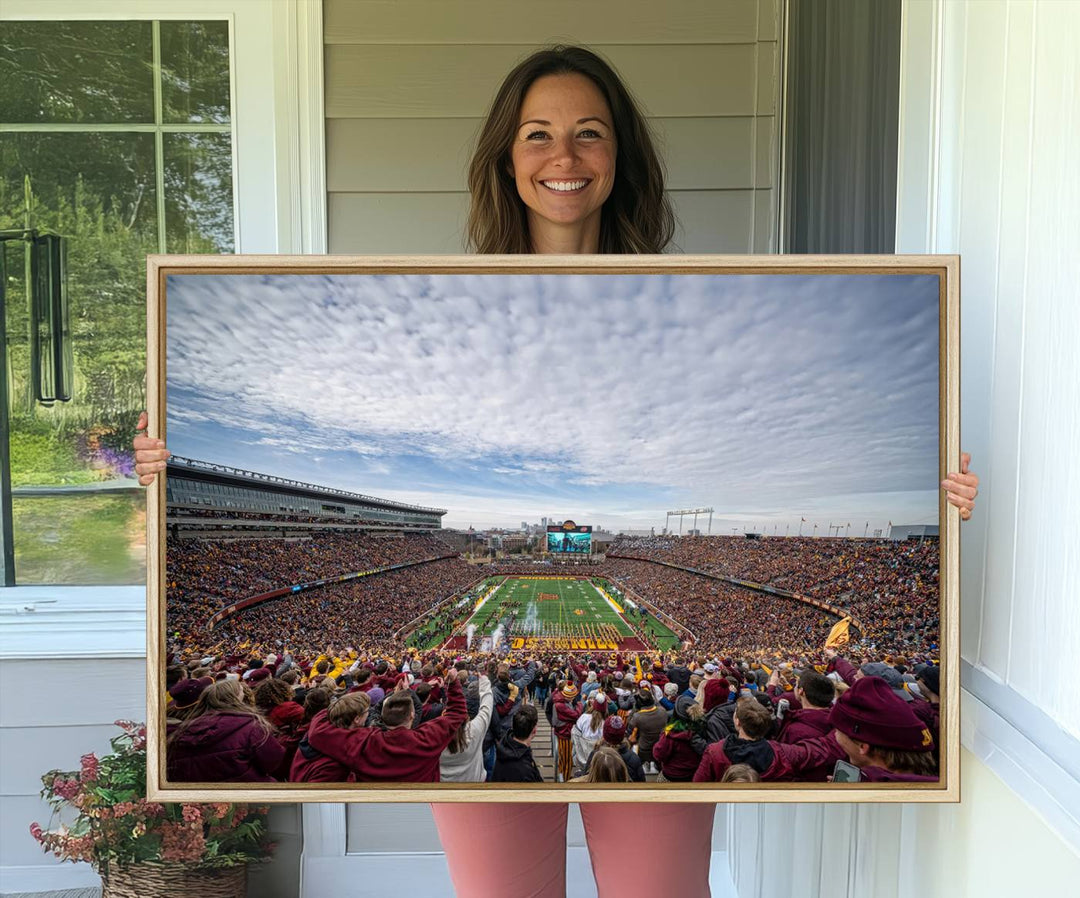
(279, 198)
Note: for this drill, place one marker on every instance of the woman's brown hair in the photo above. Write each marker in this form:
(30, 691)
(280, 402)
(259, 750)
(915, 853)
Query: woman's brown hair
(637, 216)
(598, 710)
(348, 708)
(607, 766)
(271, 693)
(224, 697)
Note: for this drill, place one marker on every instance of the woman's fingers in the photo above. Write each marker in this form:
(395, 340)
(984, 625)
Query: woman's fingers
(961, 502)
(961, 487)
(150, 453)
(966, 485)
(147, 455)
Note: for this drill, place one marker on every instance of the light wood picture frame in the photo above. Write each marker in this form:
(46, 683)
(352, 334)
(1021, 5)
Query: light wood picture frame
(849, 277)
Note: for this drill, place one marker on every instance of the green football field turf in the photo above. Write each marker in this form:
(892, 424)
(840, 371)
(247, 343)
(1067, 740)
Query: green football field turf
(546, 615)
(576, 610)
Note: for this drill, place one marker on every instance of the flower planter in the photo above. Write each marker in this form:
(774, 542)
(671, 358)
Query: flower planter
(147, 849)
(152, 880)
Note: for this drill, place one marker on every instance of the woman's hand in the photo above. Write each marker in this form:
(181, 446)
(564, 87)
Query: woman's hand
(961, 488)
(150, 454)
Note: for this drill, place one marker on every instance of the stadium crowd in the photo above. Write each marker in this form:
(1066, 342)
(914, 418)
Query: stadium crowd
(205, 575)
(892, 586)
(318, 686)
(426, 718)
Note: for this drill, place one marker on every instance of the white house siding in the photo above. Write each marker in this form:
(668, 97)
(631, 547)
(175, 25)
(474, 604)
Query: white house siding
(408, 83)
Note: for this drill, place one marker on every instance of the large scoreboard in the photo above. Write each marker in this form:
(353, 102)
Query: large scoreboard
(568, 538)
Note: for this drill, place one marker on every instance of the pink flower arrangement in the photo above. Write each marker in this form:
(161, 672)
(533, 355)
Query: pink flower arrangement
(116, 824)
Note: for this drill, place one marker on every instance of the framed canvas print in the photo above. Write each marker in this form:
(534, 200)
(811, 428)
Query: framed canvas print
(553, 529)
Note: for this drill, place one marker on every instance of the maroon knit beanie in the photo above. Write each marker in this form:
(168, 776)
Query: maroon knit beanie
(614, 729)
(871, 712)
(186, 692)
(716, 693)
(286, 714)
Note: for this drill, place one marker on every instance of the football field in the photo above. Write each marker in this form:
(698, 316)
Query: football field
(561, 612)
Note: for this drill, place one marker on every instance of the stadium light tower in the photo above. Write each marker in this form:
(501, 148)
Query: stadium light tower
(681, 513)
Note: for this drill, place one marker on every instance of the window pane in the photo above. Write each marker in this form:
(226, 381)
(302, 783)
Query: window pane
(82, 539)
(198, 193)
(76, 72)
(112, 174)
(78, 514)
(98, 191)
(195, 71)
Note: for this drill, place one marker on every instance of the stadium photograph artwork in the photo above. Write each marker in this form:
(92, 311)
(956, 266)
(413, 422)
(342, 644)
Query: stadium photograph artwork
(553, 528)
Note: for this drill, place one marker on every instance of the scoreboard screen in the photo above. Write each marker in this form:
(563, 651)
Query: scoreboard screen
(569, 539)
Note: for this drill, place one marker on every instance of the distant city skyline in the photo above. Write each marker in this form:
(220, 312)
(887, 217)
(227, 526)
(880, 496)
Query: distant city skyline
(612, 399)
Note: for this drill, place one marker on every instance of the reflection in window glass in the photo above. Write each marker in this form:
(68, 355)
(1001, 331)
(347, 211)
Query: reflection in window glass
(81, 183)
(63, 72)
(195, 71)
(84, 539)
(79, 515)
(96, 189)
(198, 193)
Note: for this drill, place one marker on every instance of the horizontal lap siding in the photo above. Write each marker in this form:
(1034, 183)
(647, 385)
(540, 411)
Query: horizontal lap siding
(81, 699)
(380, 155)
(524, 22)
(460, 81)
(408, 83)
(709, 221)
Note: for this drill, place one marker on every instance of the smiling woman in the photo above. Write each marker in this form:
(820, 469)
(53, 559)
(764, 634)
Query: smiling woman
(563, 162)
(560, 118)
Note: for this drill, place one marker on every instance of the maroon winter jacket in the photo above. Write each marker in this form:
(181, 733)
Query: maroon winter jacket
(808, 723)
(387, 681)
(804, 723)
(658, 676)
(311, 766)
(564, 715)
(677, 756)
(223, 748)
(787, 762)
(399, 755)
(776, 693)
(288, 717)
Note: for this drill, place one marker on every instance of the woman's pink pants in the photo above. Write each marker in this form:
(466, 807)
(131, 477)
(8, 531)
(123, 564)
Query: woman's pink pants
(520, 849)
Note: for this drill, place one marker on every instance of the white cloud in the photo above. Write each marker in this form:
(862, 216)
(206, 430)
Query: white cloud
(730, 390)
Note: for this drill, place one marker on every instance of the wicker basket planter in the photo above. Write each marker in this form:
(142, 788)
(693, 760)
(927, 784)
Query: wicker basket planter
(150, 880)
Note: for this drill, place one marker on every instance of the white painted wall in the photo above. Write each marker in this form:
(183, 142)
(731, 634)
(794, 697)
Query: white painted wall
(989, 143)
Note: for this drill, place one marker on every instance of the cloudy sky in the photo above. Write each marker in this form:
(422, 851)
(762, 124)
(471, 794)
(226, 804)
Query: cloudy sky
(608, 399)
